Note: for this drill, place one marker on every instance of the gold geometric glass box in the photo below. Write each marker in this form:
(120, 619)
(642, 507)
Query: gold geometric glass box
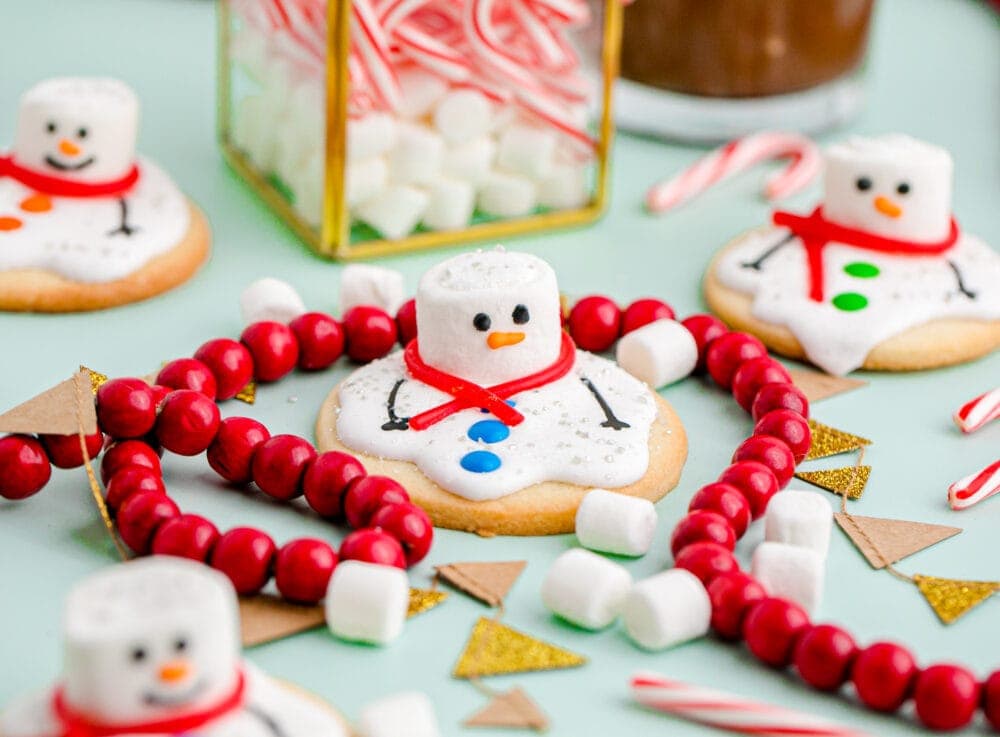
(373, 127)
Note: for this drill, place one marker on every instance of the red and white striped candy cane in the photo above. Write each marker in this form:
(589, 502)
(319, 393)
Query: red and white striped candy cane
(373, 46)
(729, 712)
(736, 157)
(979, 411)
(975, 487)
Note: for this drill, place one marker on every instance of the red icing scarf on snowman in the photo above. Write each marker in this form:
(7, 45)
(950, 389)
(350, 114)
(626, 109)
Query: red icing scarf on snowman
(51, 184)
(468, 394)
(816, 232)
(75, 724)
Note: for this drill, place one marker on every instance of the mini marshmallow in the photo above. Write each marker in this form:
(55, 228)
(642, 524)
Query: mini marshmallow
(659, 353)
(395, 212)
(278, 80)
(527, 150)
(370, 136)
(463, 115)
(565, 187)
(363, 284)
(254, 127)
(451, 205)
(799, 517)
(417, 156)
(507, 195)
(270, 299)
(366, 602)
(365, 180)
(421, 91)
(248, 48)
(409, 713)
(471, 161)
(615, 523)
(667, 609)
(586, 589)
(307, 189)
(790, 572)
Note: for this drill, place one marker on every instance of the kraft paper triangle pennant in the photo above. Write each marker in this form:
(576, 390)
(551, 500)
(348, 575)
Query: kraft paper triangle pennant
(266, 618)
(97, 379)
(513, 709)
(817, 385)
(494, 648)
(422, 600)
(61, 410)
(950, 598)
(850, 480)
(829, 441)
(488, 582)
(894, 539)
(248, 393)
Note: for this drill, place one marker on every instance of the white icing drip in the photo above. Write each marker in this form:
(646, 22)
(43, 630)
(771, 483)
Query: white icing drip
(561, 438)
(72, 239)
(908, 291)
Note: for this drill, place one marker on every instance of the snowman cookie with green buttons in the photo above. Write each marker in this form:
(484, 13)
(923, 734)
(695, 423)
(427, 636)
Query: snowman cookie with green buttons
(879, 276)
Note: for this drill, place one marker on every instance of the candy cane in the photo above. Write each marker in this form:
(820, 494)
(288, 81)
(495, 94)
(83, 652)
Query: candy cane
(975, 487)
(370, 40)
(978, 412)
(431, 54)
(489, 46)
(729, 712)
(738, 156)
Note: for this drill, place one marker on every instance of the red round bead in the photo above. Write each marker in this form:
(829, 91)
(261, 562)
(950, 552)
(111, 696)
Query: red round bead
(754, 374)
(185, 536)
(771, 629)
(788, 426)
(302, 570)
(326, 480)
(706, 560)
(727, 352)
(244, 554)
(231, 453)
(702, 525)
(130, 480)
(371, 333)
(365, 496)
(274, 349)
(188, 373)
(187, 423)
(727, 500)
(160, 392)
(770, 451)
(24, 466)
(991, 700)
(279, 463)
(64, 450)
(126, 408)
(128, 453)
(946, 697)
(732, 595)
(704, 329)
(824, 655)
(230, 363)
(321, 340)
(595, 323)
(755, 481)
(644, 311)
(779, 395)
(410, 525)
(373, 546)
(406, 322)
(883, 675)
(140, 515)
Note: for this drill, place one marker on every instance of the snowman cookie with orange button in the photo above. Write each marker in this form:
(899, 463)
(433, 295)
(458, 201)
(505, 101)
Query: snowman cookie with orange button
(84, 223)
(880, 276)
(492, 419)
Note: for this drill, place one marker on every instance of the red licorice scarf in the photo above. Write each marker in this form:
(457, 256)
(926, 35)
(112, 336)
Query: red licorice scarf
(75, 724)
(469, 394)
(816, 232)
(51, 184)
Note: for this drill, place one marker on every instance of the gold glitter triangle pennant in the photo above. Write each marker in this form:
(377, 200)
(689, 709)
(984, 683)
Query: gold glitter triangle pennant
(950, 598)
(488, 582)
(422, 600)
(513, 709)
(97, 379)
(248, 393)
(885, 541)
(62, 410)
(817, 385)
(829, 441)
(494, 648)
(849, 481)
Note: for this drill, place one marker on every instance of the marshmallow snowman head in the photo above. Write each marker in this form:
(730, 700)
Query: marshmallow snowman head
(78, 128)
(150, 639)
(489, 316)
(893, 186)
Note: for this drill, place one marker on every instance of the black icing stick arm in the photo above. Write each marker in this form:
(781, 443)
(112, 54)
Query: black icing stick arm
(609, 416)
(395, 422)
(758, 262)
(123, 227)
(961, 282)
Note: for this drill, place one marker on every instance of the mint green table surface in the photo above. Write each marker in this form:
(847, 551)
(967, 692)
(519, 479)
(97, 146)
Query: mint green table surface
(934, 73)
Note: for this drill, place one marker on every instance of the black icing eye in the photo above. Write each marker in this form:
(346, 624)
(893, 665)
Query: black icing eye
(482, 322)
(863, 183)
(520, 315)
(180, 644)
(903, 187)
(138, 654)
(50, 127)
(81, 133)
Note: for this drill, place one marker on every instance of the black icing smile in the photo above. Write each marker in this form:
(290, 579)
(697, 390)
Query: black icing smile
(62, 166)
(152, 698)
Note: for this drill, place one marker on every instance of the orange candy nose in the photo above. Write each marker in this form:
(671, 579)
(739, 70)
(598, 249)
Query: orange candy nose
(499, 340)
(68, 147)
(9, 223)
(174, 671)
(887, 207)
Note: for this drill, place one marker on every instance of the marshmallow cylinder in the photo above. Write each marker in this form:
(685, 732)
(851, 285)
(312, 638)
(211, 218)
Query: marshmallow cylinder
(270, 299)
(791, 572)
(666, 610)
(615, 523)
(395, 212)
(366, 602)
(420, 92)
(370, 136)
(471, 161)
(417, 156)
(409, 713)
(507, 195)
(799, 517)
(463, 115)
(565, 187)
(586, 589)
(527, 151)
(363, 284)
(253, 131)
(451, 205)
(307, 184)
(658, 353)
(365, 180)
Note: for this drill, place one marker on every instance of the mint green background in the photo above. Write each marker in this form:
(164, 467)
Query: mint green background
(934, 73)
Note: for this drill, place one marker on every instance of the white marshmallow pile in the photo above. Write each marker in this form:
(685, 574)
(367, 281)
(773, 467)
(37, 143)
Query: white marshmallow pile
(658, 353)
(270, 299)
(408, 713)
(586, 589)
(615, 523)
(366, 602)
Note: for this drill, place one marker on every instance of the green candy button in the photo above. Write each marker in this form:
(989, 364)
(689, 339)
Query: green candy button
(850, 302)
(862, 270)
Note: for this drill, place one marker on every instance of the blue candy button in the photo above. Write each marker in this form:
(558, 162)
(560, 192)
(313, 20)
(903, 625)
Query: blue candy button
(480, 461)
(489, 431)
